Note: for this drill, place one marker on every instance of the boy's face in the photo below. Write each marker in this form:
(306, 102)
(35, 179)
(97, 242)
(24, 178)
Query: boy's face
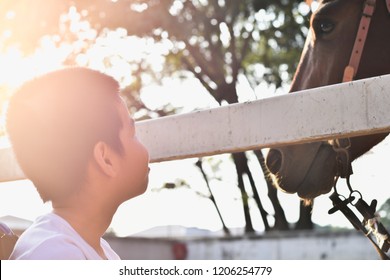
(134, 171)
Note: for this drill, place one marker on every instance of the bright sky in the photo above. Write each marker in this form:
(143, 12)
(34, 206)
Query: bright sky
(183, 206)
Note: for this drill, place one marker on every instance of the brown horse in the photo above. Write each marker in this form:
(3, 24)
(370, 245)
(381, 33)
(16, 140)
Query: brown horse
(310, 169)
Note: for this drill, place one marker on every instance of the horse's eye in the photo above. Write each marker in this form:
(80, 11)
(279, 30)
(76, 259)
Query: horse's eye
(326, 27)
(322, 26)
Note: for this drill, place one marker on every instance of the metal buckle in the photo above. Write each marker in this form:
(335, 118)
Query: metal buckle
(369, 8)
(343, 163)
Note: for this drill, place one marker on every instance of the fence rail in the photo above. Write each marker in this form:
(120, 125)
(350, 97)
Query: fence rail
(343, 110)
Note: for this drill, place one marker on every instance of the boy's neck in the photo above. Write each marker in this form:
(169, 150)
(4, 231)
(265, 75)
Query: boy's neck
(90, 225)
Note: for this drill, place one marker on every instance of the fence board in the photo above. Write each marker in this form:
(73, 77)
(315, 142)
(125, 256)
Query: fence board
(349, 109)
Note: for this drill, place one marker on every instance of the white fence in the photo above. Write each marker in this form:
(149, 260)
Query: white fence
(349, 109)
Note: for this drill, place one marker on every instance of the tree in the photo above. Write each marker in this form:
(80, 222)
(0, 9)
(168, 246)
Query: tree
(216, 41)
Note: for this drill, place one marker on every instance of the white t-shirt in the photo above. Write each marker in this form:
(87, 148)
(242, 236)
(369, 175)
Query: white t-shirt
(50, 237)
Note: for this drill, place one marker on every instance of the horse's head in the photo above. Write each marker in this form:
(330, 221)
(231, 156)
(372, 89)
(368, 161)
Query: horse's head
(310, 169)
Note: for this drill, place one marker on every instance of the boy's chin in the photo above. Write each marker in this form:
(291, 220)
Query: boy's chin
(143, 187)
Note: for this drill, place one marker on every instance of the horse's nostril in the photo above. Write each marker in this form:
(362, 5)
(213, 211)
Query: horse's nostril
(274, 161)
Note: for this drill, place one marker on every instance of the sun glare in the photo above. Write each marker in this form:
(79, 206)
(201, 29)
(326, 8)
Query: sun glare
(15, 68)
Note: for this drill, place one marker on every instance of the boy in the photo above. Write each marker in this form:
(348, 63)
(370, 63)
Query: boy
(73, 138)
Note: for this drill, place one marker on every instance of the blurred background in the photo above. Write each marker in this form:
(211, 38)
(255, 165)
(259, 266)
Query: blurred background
(173, 57)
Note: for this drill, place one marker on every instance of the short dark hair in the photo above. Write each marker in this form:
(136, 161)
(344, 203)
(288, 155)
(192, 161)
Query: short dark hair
(55, 120)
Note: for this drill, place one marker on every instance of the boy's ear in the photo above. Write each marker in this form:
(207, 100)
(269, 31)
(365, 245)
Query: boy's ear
(104, 157)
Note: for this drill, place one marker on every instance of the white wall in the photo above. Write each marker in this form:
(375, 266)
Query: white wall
(348, 245)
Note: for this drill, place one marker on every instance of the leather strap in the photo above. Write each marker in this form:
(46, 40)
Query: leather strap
(368, 11)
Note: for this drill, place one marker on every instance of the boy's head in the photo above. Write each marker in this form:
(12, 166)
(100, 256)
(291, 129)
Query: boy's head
(54, 123)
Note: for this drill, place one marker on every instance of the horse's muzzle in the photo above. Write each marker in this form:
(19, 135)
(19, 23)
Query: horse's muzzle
(306, 169)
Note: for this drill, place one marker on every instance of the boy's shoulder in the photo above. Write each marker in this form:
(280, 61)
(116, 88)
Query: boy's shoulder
(53, 248)
(49, 237)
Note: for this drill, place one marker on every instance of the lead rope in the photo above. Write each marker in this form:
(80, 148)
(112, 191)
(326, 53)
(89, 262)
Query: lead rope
(342, 205)
(371, 226)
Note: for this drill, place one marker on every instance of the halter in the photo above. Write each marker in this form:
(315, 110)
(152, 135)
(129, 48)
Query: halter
(371, 227)
(361, 36)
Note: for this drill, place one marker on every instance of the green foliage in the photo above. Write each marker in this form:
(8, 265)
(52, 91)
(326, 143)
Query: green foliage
(384, 212)
(280, 41)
